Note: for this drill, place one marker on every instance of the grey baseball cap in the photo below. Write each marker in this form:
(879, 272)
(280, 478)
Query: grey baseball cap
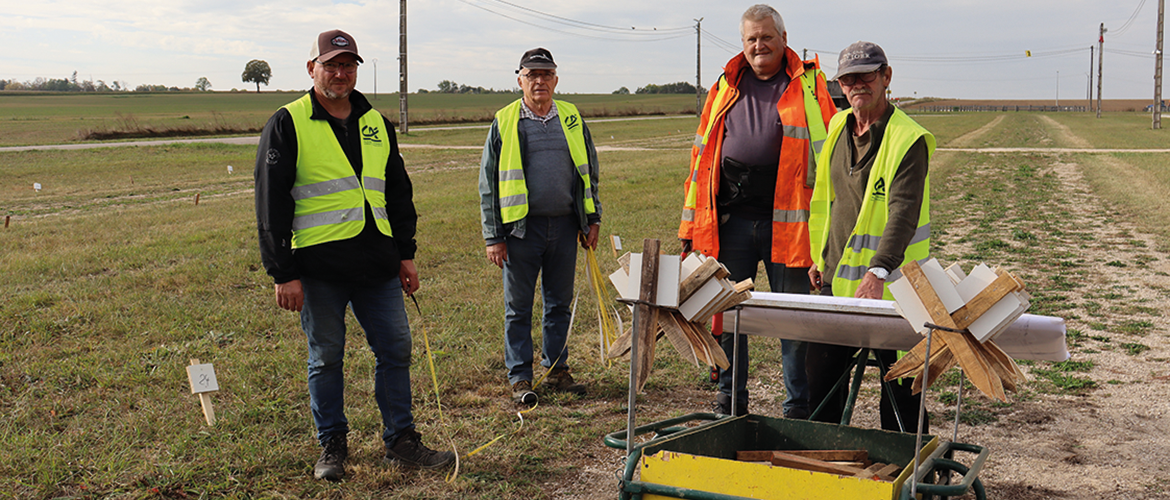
(330, 44)
(861, 57)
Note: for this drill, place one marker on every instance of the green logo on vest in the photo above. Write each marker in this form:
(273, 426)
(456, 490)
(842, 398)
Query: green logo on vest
(572, 122)
(879, 189)
(370, 134)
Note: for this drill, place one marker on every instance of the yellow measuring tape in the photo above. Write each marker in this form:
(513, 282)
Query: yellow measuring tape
(607, 327)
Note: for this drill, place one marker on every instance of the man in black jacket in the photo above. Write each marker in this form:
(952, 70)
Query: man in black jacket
(336, 222)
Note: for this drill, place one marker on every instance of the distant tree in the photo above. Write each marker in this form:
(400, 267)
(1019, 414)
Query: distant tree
(257, 71)
(670, 88)
(448, 87)
(203, 85)
(622, 91)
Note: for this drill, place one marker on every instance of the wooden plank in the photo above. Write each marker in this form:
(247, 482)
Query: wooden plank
(981, 302)
(782, 459)
(678, 338)
(695, 280)
(889, 472)
(871, 472)
(624, 261)
(962, 345)
(754, 456)
(647, 315)
(621, 346)
(833, 455)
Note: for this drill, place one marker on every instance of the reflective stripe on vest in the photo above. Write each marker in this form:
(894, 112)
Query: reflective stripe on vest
(329, 199)
(901, 133)
(513, 190)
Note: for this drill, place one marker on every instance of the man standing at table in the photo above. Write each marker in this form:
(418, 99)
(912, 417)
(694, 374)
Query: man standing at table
(870, 215)
(751, 176)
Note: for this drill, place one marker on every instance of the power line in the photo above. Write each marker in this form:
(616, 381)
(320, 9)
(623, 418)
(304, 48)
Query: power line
(723, 44)
(1129, 22)
(588, 25)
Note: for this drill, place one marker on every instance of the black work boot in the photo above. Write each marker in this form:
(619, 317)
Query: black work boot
(560, 380)
(522, 393)
(409, 452)
(331, 465)
(722, 405)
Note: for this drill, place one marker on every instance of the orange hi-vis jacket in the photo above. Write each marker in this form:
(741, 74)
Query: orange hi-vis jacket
(806, 95)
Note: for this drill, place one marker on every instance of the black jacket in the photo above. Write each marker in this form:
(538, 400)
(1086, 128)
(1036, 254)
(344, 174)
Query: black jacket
(368, 257)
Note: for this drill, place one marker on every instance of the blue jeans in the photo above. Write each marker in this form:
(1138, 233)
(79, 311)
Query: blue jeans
(380, 310)
(743, 243)
(548, 250)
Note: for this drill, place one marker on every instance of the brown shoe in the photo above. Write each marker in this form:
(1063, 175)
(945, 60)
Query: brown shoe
(522, 393)
(331, 465)
(409, 452)
(561, 380)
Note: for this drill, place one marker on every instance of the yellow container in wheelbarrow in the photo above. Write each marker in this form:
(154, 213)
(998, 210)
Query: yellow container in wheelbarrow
(700, 462)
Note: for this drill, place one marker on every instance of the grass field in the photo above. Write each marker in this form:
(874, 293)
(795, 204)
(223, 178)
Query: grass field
(113, 279)
(30, 118)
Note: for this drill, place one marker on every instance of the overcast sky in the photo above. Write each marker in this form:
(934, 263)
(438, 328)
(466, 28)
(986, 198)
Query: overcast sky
(947, 48)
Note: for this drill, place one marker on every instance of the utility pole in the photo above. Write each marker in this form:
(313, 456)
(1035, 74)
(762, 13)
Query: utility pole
(699, 67)
(402, 108)
(1158, 68)
(1100, 58)
(375, 78)
(1058, 90)
(1089, 91)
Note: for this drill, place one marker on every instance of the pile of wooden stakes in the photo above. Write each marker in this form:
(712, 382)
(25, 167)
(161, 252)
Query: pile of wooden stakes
(853, 463)
(676, 297)
(978, 307)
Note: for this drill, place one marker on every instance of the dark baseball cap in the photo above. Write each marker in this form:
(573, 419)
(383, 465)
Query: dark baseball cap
(861, 57)
(332, 43)
(538, 58)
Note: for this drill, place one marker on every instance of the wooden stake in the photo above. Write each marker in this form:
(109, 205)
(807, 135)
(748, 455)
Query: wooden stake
(648, 315)
(197, 198)
(204, 399)
(6, 219)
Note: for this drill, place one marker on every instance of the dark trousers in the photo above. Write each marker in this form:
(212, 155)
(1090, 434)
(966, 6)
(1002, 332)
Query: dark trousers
(743, 244)
(826, 363)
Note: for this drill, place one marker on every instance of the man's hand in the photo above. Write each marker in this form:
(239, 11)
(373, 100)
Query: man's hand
(408, 275)
(590, 240)
(814, 277)
(498, 253)
(687, 246)
(870, 288)
(290, 296)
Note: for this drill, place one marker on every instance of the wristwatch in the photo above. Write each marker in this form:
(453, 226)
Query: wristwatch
(880, 272)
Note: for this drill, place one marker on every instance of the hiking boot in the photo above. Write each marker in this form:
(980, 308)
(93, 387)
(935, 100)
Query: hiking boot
(522, 393)
(797, 413)
(331, 465)
(722, 405)
(409, 452)
(561, 380)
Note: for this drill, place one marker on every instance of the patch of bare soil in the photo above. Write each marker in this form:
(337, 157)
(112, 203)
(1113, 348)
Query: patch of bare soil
(1109, 442)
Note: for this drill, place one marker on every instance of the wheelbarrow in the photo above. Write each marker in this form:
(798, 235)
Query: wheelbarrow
(699, 461)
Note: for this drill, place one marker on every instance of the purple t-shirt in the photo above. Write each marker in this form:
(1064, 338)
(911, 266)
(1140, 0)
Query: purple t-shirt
(752, 136)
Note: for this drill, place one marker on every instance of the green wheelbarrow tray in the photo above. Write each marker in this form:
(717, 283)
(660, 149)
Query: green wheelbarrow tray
(710, 448)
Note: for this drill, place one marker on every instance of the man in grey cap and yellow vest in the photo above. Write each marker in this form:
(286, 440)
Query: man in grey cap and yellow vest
(750, 181)
(538, 198)
(870, 214)
(336, 223)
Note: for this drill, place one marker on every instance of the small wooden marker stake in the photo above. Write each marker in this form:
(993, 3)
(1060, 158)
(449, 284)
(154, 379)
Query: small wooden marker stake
(203, 383)
(7, 218)
(197, 198)
(616, 241)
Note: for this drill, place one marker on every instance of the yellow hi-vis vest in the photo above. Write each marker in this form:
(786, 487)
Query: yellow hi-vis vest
(329, 198)
(513, 190)
(901, 133)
